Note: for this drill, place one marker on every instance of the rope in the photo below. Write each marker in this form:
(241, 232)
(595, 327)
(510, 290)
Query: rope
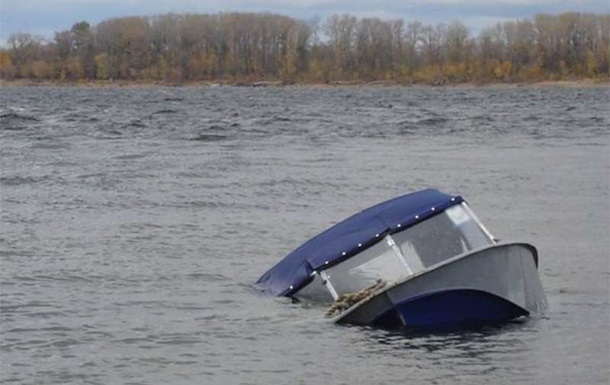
(345, 301)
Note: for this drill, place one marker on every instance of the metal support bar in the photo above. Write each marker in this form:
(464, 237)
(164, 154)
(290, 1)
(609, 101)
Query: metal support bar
(398, 253)
(476, 219)
(326, 281)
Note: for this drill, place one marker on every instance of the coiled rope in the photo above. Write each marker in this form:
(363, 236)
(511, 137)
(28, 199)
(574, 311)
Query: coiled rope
(345, 301)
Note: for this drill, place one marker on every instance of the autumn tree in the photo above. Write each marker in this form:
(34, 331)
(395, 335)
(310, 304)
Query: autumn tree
(248, 47)
(431, 41)
(26, 49)
(341, 32)
(123, 48)
(458, 49)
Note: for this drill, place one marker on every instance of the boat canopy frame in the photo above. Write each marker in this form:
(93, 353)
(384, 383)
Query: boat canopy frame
(399, 255)
(351, 236)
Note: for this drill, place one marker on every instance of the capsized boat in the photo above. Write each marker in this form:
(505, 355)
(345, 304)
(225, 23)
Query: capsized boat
(419, 260)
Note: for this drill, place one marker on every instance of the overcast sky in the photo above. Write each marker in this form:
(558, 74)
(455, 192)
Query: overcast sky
(44, 17)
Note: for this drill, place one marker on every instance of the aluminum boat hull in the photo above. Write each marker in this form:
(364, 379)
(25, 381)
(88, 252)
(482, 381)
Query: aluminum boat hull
(493, 284)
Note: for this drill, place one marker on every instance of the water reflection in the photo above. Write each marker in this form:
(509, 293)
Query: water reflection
(460, 341)
(466, 355)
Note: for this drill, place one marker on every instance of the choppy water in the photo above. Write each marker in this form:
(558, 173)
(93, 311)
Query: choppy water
(134, 222)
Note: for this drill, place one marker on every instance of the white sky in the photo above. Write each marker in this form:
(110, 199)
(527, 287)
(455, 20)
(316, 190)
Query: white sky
(44, 17)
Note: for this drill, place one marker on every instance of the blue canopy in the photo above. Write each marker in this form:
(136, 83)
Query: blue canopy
(351, 236)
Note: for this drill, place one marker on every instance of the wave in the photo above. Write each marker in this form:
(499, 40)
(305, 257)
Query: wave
(19, 180)
(15, 121)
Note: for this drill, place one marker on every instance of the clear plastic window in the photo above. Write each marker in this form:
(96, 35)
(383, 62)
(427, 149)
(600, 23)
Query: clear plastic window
(450, 233)
(362, 270)
(443, 236)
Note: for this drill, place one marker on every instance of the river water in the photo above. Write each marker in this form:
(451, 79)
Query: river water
(135, 222)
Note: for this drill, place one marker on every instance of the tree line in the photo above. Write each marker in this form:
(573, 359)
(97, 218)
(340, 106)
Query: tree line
(252, 47)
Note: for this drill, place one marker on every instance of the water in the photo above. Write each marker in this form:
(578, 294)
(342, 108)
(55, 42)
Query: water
(134, 222)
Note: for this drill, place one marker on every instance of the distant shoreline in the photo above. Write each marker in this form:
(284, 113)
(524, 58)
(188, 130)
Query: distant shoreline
(579, 83)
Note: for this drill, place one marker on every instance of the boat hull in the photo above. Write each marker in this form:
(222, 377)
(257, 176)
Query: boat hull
(490, 285)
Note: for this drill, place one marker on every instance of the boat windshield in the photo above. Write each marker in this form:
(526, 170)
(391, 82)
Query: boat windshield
(443, 236)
